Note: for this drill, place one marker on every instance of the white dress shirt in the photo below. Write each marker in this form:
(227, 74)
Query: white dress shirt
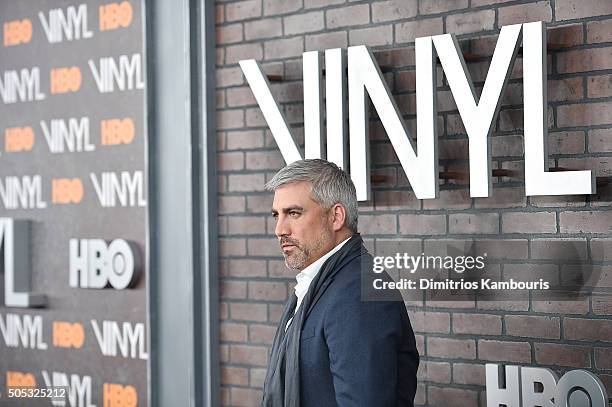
(305, 277)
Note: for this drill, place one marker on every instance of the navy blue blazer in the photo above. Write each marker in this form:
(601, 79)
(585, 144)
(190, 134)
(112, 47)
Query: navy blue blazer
(354, 352)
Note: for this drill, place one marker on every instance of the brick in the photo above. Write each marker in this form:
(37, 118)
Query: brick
(219, 56)
(242, 10)
(247, 268)
(408, 31)
(436, 322)
(565, 35)
(263, 247)
(321, 3)
(478, 3)
(587, 114)
(228, 77)
(450, 199)
(230, 119)
(451, 348)
(232, 332)
(246, 225)
(231, 289)
(467, 373)
(224, 396)
(264, 160)
(451, 397)
(338, 39)
(467, 223)
(275, 312)
(502, 198)
(219, 13)
(245, 397)
(587, 329)
(478, 324)
(288, 92)
(261, 333)
(257, 377)
(600, 86)
(574, 9)
(372, 36)
(471, 22)
(393, 10)
(599, 31)
(532, 272)
(603, 358)
(575, 201)
(591, 59)
(377, 224)
(507, 146)
(519, 352)
(259, 203)
(228, 34)
(532, 326)
(525, 13)
(246, 182)
(235, 53)
(230, 161)
(454, 149)
(558, 249)
(268, 291)
(600, 166)
(348, 16)
(420, 396)
(562, 355)
(393, 200)
(304, 23)
(437, 372)
(601, 249)
(234, 375)
(230, 204)
(224, 353)
(244, 139)
(602, 305)
(421, 224)
(244, 311)
(436, 6)
(529, 222)
(232, 247)
(264, 28)
(566, 142)
(564, 306)
(585, 222)
(275, 7)
(563, 90)
(284, 48)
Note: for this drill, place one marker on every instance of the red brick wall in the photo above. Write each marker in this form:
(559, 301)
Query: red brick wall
(455, 339)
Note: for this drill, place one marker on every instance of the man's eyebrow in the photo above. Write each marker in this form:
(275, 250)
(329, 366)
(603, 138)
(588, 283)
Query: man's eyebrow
(289, 208)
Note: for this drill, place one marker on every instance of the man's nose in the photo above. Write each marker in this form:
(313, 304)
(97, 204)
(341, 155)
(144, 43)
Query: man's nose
(282, 228)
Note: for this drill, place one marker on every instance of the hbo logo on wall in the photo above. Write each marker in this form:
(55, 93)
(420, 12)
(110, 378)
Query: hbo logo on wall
(96, 264)
(540, 387)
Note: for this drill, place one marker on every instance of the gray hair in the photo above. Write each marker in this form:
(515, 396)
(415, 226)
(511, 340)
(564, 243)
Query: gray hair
(330, 185)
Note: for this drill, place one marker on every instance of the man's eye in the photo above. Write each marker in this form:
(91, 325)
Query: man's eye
(275, 215)
(294, 214)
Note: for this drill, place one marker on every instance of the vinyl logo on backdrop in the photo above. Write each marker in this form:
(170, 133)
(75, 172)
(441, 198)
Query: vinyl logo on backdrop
(364, 76)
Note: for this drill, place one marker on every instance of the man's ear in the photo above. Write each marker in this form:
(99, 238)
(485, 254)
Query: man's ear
(339, 217)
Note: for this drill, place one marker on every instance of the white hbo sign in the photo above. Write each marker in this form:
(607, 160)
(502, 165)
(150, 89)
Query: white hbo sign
(94, 264)
(535, 387)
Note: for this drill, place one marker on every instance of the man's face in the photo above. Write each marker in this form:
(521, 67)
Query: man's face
(303, 227)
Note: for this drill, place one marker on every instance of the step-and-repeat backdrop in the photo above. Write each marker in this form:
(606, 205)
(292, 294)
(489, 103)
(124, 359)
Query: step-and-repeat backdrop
(73, 201)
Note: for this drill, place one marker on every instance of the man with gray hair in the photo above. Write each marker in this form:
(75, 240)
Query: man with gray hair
(331, 347)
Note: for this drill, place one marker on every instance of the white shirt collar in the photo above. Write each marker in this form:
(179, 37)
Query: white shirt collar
(305, 277)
